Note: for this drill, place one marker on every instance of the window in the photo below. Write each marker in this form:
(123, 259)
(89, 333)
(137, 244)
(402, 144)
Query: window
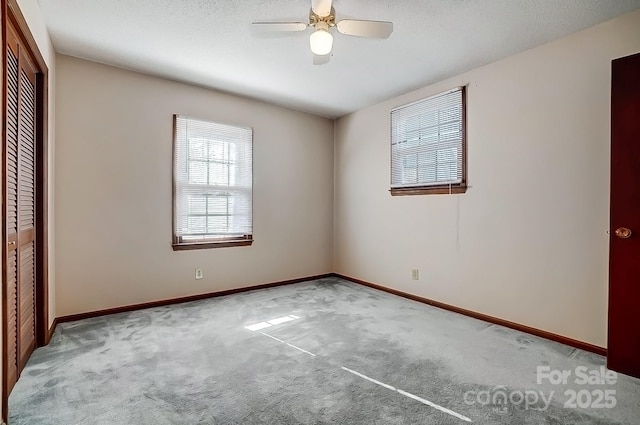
(212, 176)
(428, 145)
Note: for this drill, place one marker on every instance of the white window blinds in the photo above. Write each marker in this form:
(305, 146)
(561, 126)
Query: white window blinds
(427, 142)
(213, 181)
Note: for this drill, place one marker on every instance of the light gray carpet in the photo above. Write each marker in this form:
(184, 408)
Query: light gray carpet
(351, 355)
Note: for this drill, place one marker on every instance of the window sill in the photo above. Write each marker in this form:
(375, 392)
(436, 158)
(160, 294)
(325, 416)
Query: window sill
(429, 190)
(186, 246)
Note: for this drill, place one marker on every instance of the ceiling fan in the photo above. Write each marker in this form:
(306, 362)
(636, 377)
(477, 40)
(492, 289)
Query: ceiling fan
(322, 18)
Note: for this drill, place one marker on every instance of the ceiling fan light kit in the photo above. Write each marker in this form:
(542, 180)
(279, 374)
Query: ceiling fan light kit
(322, 19)
(321, 41)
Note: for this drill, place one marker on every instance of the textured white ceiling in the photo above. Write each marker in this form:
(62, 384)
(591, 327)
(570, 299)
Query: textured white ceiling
(211, 43)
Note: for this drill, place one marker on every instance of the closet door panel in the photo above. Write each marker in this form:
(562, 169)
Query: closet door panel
(12, 183)
(26, 210)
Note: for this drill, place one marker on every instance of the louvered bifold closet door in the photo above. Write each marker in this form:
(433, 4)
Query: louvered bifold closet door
(26, 208)
(12, 146)
(20, 195)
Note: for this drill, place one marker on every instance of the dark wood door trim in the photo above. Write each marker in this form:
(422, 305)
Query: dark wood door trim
(11, 15)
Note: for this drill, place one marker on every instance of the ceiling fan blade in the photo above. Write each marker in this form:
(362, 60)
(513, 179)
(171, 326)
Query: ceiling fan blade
(279, 26)
(321, 59)
(321, 8)
(371, 29)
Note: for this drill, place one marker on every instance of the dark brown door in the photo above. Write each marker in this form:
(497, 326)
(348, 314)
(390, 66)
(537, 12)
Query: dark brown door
(624, 248)
(20, 207)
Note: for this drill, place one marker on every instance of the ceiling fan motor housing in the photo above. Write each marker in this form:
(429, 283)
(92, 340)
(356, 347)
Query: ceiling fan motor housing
(315, 19)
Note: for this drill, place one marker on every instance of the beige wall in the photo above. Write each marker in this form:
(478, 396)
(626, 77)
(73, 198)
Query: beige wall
(528, 242)
(113, 191)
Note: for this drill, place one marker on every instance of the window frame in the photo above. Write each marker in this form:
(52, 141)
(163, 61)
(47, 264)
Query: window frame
(436, 189)
(180, 244)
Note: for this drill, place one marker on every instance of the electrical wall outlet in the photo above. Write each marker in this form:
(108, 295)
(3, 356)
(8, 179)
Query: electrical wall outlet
(199, 274)
(415, 274)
